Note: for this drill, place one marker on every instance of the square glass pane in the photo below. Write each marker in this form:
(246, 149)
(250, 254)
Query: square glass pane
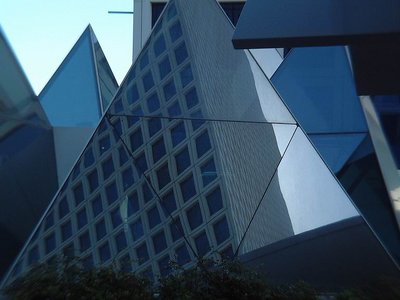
(123, 156)
(153, 217)
(104, 144)
(176, 229)
(108, 168)
(136, 139)
(142, 254)
(153, 103)
(50, 243)
(164, 67)
(127, 178)
(120, 241)
(147, 193)
(191, 98)
(136, 229)
(136, 113)
(159, 242)
(158, 150)
(104, 252)
(78, 194)
(174, 110)
(169, 90)
(181, 53)
(63, 208)
(186, 76)
(203, 144)
(93, 180)
(97, 206)
(132, 94)
(100, 230)
(159, 45)
(198, 120)
(194, 216)
(116, 219)
(208, 172)
(168, 203)
(141, 163)
(178, 134)
(182, 160)
(154, 125)
(66, 231)
(214, 201)
(81, 218)
(175, 31)
(221, 230)
(111, 193)
(188, 188)
(148, 81)
(88, 158)
(144, 60)
(84, 241)
(133, 203)
(163, 177)
(202, 244)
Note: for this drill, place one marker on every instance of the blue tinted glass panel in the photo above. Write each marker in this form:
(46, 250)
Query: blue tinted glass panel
(123, 156)
(136, 229)
(208, 172)
(78, 194)
(199, 119)
(118, 107)
(174, 110)
(141, 163)
(186, 76)
(159, 242)
(153, 217)
(76, 171)
(49, 221)
(203, 144)
(202, 244)
(120, 241)
(181, 53)
(221, 230)
(164, 67)
(164, 266)
(81, 218)
(111, 193)
(171, 11)
(104, 144)
(214, 201)
(175, 31)
(100, 230)
(148, 81)
(108, 168)
(50, 243)
(142, 254)
(84, 241)
(168, 203)
(194, 216)
(191, 98)
(176, 229)
(117, 132)
(63, 208)
(146, 192)
(88, 158)
(33, 255)
(136, 139)
(66, 231)
(188, 188)
(159, 45)
(116, 219)
(136, 112)
(153, 103)
(163, 176)
(182, 160)
(169, 90)
(78, 106)
(182, 255)
(318, 86)
(97, 206)
(154, 125)
(93, 180)
(133, 203)
(127, 178)
(178, 134)
(144, 60)
(158, 150)
(104, 252)
(132, 94)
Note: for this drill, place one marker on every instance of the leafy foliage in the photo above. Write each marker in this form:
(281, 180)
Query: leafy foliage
(385, 288)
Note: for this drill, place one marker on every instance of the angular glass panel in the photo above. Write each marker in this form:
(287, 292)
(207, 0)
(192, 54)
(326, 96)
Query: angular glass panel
(97, 206)
(182, 160)
(81, 218)
(164, 67)
(63, 208)
(127, 178)
(174, 110)
(144, 60)
(137, 229)
(153, 217)
(214, 201)
(191, 98)
(203, 144)
(181, 53)
(50, 243)
(93, 180)
(66, 231)
(108, 168)
(104, 252)
(148, 81)
(116, 219)
(84, 242)
(120, 241)
(182, 255)
(194, 216)
(178, 133)
(158, 150)
(202, 244)
(153, 103)
(88, 158)
(101, 230)
(169, 90)
(175, 31)
(132, 94)
(154, 126)
(133, 203)
(221, 230)
(208, 172)
(188, 188)
(49, 221)
(111, 193)
(159, 45)
(136, 139)
(163, 177)
(146, 192)
(168, 203)
(186, 76)
(176, 229)
(78, 194)
(141, 163)
(159, 242)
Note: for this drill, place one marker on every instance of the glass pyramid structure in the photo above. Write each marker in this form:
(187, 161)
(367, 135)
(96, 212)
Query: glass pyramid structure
(82, 87)
(197, 155)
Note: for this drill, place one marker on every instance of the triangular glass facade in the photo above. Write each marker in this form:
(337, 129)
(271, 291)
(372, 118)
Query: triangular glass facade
(197, 155)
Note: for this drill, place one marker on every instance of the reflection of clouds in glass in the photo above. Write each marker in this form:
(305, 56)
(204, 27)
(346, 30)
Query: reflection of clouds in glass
(313, 196)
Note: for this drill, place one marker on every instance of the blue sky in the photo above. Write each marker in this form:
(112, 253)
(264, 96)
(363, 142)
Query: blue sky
(42, 32)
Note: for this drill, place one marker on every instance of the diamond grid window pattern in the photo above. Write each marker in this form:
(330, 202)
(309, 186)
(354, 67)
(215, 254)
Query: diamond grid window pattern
(50, 243)
(175, 31)
(49, 221)
(104, 252)
(141, 163)
(194, 216)
(158, 150)
(132, 94)
(182, 255)
(93, 180)
(104, 144)
(153, 217)
(159, 45)
(33, 255)
(127, 178)
(182, 160)
(159, 242)
(133, 203)
(169, 90)
(153, 103)
(63, 208)
(147, 194)
(176, 229)
(88, 157)
(164, 67)
(163, 176)
(181, 53)
(136, 139)
(148, 81)
(108, 168)
(154, 126)
(186, 76)
(136, 229)
(81, 218)
(202, 244)
(174, 110)
(191, 98)
(208, 172)
(111, 193)
(135, 118)
(97, 206)
(188, 188)
(178, 134)
(120, 241)
(168, 203)
(221, 230)
(214, 201)
(84, 241)
(66, 231)
(78, 194)
(203, 144)
(116, 219)
(101, 230)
